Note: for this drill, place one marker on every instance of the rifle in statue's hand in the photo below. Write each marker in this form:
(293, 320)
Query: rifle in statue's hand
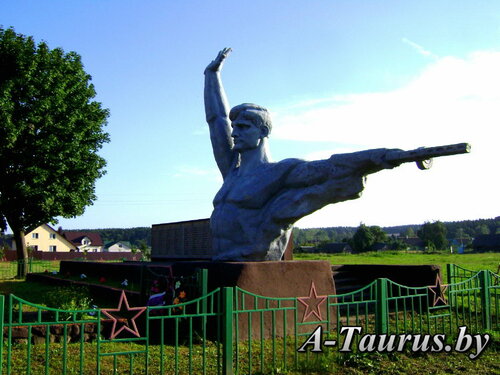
(423, 155)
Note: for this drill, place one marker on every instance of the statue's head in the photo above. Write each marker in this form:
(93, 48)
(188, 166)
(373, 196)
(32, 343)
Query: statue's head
(251, 123)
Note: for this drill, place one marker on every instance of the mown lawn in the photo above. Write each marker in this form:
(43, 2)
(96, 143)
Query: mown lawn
(472, 261)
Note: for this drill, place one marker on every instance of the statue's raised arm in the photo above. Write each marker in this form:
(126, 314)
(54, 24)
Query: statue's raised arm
(217, 114)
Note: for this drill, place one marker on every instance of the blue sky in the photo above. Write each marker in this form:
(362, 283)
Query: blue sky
(338, 76)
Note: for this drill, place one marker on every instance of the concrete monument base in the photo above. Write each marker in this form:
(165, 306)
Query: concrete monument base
(269, 279)
(306, 281)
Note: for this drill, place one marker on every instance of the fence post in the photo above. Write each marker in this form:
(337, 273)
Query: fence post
(227, 331)
(381, 307)
(485, 282)
(20, 267)
(202, 278)
(2, 311)
(449, 271)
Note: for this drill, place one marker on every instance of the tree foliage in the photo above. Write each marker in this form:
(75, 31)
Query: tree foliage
(466, 229)
(434, 235)
(365, 237)
(51, 130)
(315, 236)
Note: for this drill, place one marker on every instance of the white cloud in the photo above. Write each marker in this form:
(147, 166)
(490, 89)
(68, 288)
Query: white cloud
(452, 101)
(421, 50)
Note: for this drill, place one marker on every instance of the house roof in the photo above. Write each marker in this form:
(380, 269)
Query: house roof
(77, 237)
(413, 241)
(487, 242)
(335, 247)
(126, 243)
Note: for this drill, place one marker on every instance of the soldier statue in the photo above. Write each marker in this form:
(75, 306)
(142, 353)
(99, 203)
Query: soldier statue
(260, 200)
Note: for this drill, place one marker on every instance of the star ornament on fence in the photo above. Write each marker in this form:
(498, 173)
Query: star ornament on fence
(124, 311)
(312, 303)
(438, 290)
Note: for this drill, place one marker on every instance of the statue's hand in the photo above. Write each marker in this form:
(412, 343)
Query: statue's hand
(216, 65)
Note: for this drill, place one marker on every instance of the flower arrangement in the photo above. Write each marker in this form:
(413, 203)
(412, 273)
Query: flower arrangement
(165, 293)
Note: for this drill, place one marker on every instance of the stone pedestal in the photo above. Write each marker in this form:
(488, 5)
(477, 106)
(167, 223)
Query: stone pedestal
(310, 281)
(270, 279)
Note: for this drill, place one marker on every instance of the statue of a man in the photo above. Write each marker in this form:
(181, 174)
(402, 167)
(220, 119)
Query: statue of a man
(260, 200)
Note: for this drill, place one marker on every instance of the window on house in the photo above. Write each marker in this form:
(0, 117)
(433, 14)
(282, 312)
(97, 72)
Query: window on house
(34, 235)
(52, 236)
(35, 247)
(52, 248)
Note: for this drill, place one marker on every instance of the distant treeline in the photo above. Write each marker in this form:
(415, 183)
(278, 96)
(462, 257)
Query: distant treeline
(313, 236)
(466, 229)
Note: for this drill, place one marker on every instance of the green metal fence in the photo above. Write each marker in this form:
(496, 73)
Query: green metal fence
(456, 273)
(466, 288)
(230, 330)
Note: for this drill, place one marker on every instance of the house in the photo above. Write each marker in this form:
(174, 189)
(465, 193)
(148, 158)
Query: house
(414, 243)
(379, 246)
(486, 242)
(46, 238)
(119, 246)
(85, 241)
(334, 248)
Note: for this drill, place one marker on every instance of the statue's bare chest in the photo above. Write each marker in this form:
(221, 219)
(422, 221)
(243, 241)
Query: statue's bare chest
(255, 190)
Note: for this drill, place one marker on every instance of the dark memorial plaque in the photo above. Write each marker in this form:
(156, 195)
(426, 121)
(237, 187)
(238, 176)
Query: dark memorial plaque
(182, 240)
(188, 240)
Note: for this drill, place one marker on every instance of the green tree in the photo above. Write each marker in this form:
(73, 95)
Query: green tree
(482, 229)
(365, 237)
(434, 235)
(397, 244)
(409, 233)
(51, 130)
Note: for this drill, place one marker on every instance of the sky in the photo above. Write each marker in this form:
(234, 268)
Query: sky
(338, 76)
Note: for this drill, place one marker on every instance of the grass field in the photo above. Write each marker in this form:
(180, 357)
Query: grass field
(471, 261)
(474, 261)
(338, 363)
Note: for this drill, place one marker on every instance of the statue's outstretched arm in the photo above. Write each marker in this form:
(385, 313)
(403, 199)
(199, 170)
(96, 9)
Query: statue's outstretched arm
(355, 164)
(311, 185)
(217, 113)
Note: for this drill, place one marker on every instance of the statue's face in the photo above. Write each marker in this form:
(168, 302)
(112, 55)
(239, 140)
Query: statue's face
(246, 135)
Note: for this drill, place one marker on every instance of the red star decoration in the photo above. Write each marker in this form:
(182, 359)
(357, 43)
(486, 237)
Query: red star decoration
(126, 326)
(438, 290)
(312, 303)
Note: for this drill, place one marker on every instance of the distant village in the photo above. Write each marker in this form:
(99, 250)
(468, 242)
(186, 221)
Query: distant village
(46, 238)
(46, 242)
(480, 235)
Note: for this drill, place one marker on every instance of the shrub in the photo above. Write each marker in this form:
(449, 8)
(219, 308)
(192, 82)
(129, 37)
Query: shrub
(69, 298)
